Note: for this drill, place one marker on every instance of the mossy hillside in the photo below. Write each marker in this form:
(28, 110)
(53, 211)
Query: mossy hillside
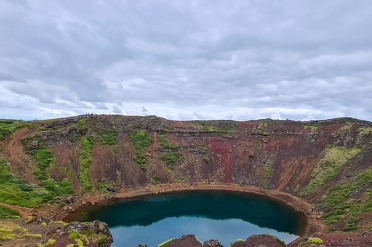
(17, 192)
(334, 158)
(108, 137)
(85, 157)
(340, 202)
(140, 140)
(44, 160)
(11, 231)
(171, 155)
(7, 127)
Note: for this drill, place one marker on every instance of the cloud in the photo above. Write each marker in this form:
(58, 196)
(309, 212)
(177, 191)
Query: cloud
(186, 59)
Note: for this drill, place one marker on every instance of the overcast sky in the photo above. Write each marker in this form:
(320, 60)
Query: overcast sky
(233, 59)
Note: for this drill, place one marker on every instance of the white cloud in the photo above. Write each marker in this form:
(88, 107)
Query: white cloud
(186, 59)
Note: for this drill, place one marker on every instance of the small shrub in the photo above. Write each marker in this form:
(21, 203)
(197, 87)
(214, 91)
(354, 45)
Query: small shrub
(315, 241)
(50, 242)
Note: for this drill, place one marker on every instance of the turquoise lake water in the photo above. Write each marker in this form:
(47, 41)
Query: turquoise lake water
(225, 216)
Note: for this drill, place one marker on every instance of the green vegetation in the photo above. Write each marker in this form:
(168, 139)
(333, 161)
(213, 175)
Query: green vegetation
(215, 126)
(165, 242)
(103, 185)
(155, 179)
(17, 192)
(8, 213)
(346, 128)
(165, 144)
(85, 161)
(44, 160)
(11, 231)
(339, 203)
(334, 158)
(313, 241)
(365, 131)
(261, 129)
(171, 158)
(7, 127)
(83, 122)
(312, 127)
(141, 140)
(170, 155)
(108, 137)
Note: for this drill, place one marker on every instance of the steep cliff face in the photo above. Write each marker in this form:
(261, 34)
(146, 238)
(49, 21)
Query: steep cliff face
(328, 163)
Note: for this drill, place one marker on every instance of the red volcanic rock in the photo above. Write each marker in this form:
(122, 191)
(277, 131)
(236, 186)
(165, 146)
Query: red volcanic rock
(260, 240)
(185, 241)
(212, 243)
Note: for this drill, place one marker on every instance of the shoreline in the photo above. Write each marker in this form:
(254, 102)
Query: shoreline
(312, 221)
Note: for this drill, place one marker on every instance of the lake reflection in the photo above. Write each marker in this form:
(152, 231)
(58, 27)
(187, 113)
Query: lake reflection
(224, 216)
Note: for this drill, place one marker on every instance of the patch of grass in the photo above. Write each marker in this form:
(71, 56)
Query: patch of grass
(12, 231)
(365, 131)
(334, 158)
(86, 148)
(338, 202)
(8, 213)
(44, 159)
(313, 240)
(165, 144)
(215, 126)
(171, 158)
(79, 238)
(7, 127)
(261, 129)
(141, 140)
(108, 137)
(83, 122)
(155, 180)
(102, 186)
(17, 192)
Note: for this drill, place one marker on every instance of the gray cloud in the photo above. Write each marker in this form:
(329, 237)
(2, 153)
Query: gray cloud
(186, 59)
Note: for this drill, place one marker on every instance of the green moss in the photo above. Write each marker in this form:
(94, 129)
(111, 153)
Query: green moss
(8, 213)
(165, 242)
(86, 149)
(171, 158)
(365, 131)
(17, 192)
(108, 137)
(312, 127)
(7, 127)
(12, 231)
(215, 126)
(103, 185)
(310, 241)
(334, 158)
(73, 235)
(83, 122)
(338, 202)
(44, 159)
(141, 140)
